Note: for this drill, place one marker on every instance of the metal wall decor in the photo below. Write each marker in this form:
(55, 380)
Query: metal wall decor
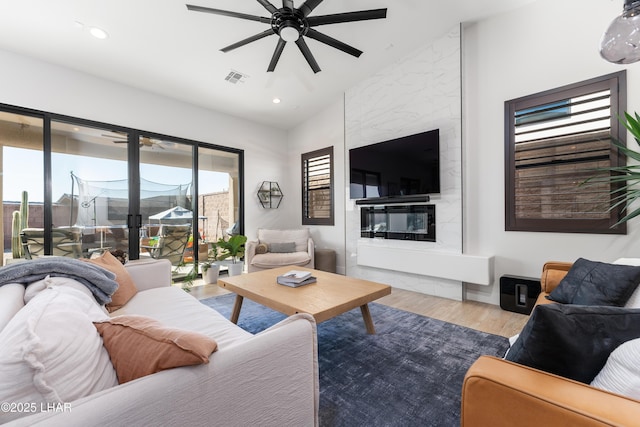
(270, 195)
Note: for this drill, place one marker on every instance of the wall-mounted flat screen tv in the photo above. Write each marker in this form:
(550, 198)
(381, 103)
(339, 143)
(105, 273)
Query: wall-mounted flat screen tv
(406, 166)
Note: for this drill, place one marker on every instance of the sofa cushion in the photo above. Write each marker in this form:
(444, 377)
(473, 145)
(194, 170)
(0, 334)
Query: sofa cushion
(51, 352)
(140, 346)
(175, 308)
(299, 236)
(597, 283)
(34, 288)
(262, 248)
(573, 341)
(11, 301)
(279, 248)
(271, 260)
(126, 288)
(621, 373)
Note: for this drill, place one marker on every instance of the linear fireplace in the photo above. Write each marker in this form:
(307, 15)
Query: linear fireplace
(410, 222)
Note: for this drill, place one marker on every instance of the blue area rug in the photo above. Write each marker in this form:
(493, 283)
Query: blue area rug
(409, 373)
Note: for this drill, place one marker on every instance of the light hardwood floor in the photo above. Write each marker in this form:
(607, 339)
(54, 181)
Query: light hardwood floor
(483, 317)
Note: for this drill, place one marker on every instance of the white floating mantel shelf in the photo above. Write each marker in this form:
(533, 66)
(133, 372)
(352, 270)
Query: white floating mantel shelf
(476, 269)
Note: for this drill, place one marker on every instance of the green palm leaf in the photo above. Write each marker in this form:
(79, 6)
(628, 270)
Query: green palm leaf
(623, 196)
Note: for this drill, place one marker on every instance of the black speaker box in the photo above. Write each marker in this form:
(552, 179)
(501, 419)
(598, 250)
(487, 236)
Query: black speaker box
(518, 294)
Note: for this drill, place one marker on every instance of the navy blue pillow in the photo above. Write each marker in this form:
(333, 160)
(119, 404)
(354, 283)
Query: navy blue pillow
(573, 341)
(597, 283)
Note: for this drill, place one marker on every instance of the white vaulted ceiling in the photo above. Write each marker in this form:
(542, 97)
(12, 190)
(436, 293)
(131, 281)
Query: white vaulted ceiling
(161, 47)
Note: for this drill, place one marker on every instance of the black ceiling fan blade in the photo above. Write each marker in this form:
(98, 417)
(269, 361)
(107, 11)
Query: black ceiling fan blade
(276, 55)
(248, 40)
(323, 38)
(307, 7)
(302, 45)
(362, 15)
(228, 13)
(287, 4)
(267, 5)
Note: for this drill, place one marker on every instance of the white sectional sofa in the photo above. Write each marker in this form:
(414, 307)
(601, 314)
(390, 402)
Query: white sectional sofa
(267, 379)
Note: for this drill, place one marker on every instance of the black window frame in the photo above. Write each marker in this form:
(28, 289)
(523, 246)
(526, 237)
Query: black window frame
(616, 84)
(133, 173)
(306, 159)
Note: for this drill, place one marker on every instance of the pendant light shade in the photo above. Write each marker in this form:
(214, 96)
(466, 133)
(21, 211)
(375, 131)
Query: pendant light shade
(620, 44)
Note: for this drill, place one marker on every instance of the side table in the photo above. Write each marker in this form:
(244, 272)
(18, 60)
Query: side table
(325, 260)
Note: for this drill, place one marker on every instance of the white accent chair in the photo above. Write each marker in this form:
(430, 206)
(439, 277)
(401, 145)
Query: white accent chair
(302, 255)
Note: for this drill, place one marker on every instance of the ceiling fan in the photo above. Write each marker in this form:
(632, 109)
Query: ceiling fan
(145, 141)
(292, 24)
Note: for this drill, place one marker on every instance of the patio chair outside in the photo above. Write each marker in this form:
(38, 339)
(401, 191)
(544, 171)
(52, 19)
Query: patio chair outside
(66, 241)
(171, 243)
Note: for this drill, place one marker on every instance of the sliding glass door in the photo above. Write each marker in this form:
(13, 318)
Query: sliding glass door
(22, 179)
(92, 187)
(166, 202)
(218, 197)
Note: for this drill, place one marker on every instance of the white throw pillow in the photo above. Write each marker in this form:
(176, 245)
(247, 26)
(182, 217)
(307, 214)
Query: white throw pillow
(52, 353)
(621, 373)
(35, 288)
(11, 301)
(512, 340)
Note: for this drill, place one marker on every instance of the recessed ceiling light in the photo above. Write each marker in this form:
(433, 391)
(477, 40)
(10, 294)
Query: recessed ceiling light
(276, 100)
(98, 33)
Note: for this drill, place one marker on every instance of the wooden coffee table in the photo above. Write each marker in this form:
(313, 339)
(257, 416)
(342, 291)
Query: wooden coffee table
(330, 296)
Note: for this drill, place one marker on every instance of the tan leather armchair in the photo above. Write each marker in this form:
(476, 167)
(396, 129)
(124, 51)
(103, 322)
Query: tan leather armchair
(552, 273)
(500, 393)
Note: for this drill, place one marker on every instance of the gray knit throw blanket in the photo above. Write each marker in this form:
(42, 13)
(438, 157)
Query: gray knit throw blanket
(100, 281)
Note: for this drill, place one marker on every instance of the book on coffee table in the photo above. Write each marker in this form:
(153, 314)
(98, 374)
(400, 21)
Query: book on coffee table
(296, 275)
(295, 282)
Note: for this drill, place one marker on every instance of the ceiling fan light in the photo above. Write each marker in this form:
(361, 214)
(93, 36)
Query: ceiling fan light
(620, 44)
(289, 34)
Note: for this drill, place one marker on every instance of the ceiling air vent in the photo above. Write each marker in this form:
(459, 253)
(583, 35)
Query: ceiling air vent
(235, 77)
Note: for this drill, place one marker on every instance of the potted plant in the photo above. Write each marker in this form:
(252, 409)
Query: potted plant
(628, 176)
(209, 268)
(234, 249)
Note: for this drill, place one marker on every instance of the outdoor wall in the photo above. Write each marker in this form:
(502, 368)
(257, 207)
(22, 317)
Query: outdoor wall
(215, 207)
(36, 218)
(541, 46)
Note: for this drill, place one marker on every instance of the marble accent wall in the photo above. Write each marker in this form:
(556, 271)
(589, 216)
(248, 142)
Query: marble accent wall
(420, 92)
